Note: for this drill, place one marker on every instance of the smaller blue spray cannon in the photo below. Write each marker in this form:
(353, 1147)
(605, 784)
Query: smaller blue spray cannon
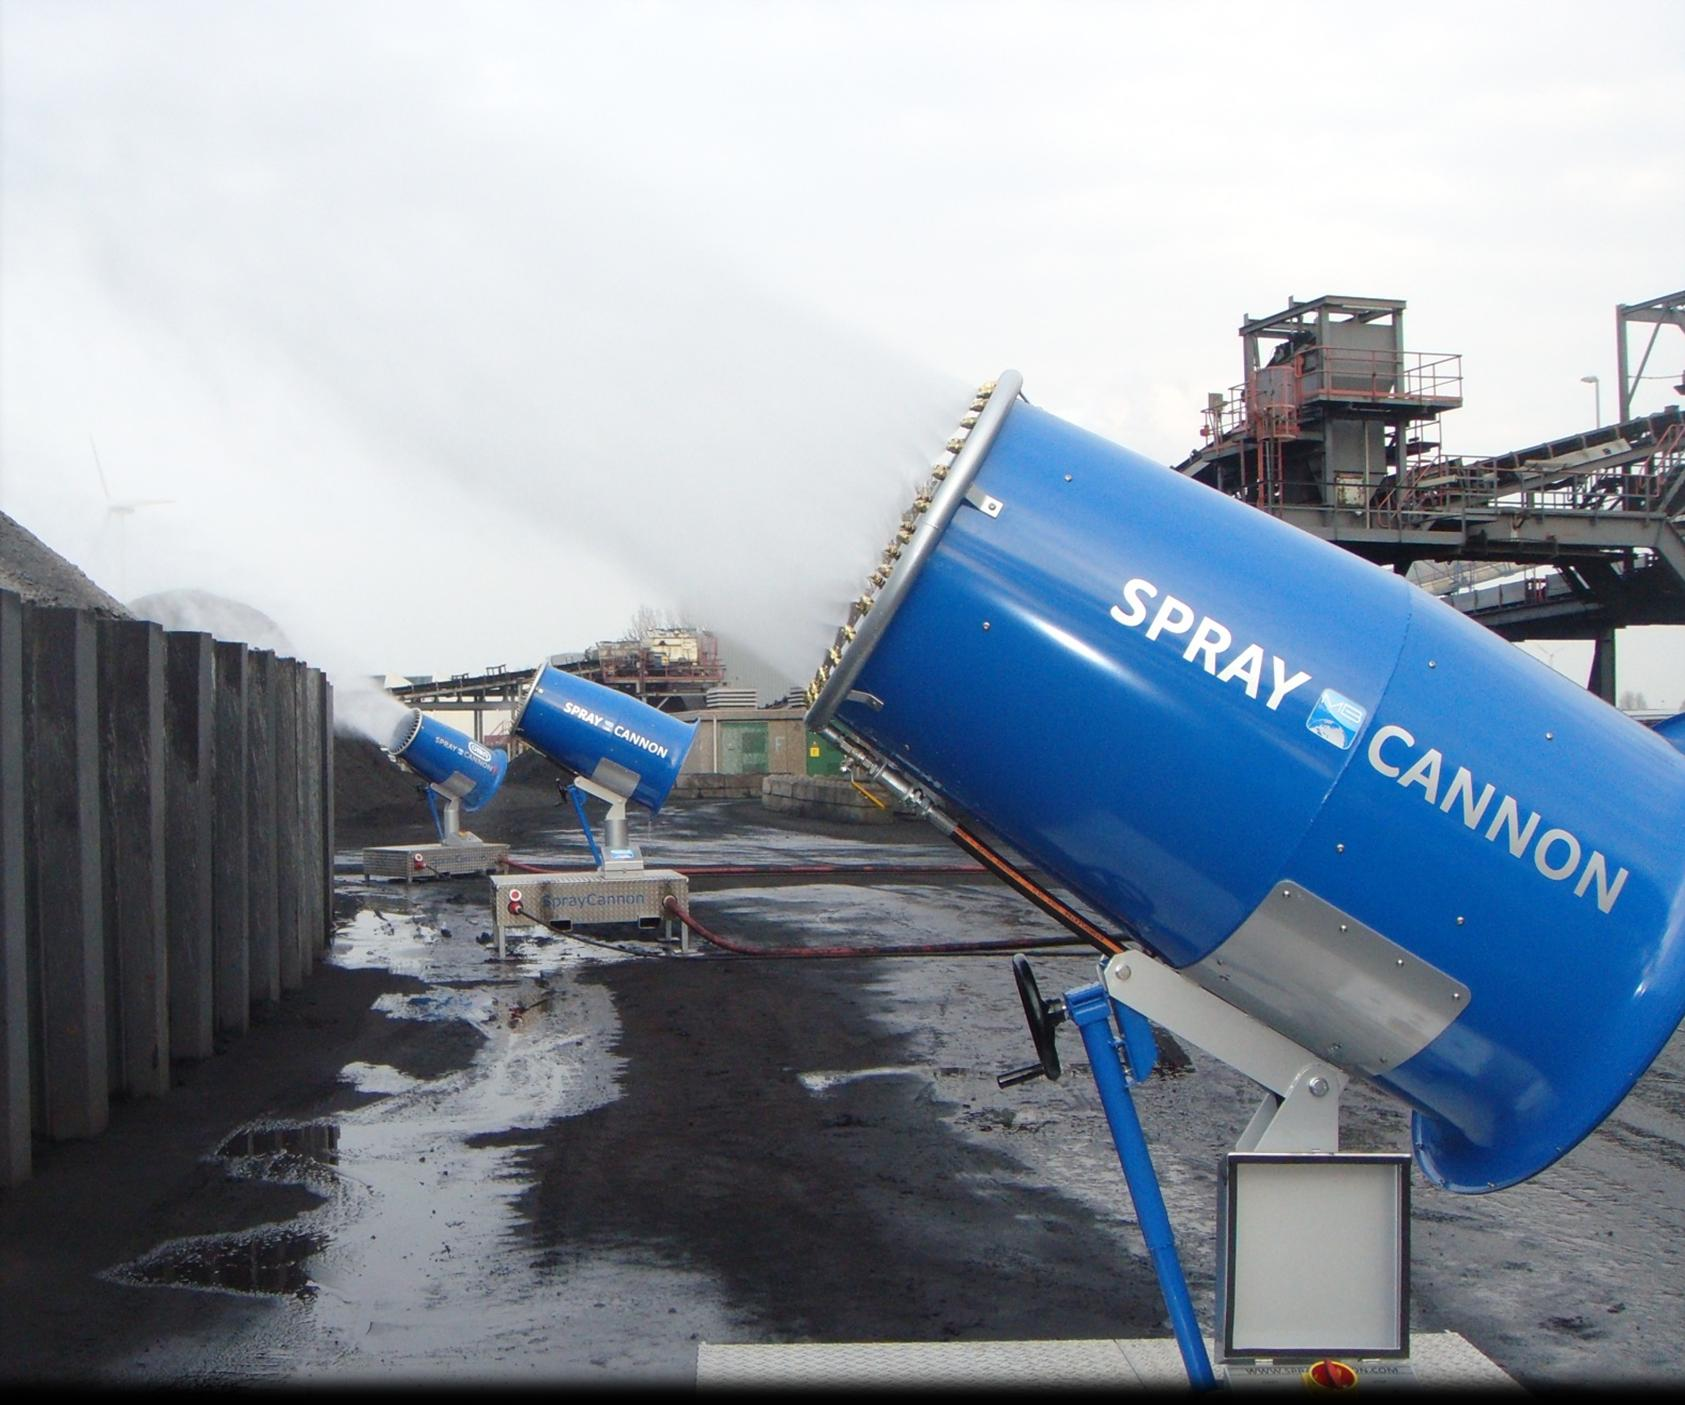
(459, 770)
(619, 749)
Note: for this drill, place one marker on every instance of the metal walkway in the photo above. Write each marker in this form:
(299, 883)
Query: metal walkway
(1437, 1360)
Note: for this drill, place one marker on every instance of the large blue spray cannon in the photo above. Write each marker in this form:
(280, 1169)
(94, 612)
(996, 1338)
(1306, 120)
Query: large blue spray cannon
(1308, 787)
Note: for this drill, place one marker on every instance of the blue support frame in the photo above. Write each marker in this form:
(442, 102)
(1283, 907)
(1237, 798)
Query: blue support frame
(1091, 1009)
(578, 798)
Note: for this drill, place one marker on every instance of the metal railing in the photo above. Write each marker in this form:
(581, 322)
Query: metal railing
(1650, 484)
(1271, 402)
(1536, 587)
(1431, 379)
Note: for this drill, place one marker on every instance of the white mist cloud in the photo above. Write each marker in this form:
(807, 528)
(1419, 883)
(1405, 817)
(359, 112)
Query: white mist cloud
(456, 332)
(420, 381)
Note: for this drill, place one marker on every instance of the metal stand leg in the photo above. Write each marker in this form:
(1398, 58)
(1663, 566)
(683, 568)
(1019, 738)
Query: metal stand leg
(1090, 1009)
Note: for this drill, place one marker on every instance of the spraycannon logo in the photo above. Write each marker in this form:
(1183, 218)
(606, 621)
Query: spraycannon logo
(639, 740)
(616, 729)
(1208, 640)
(585, 715)
(1336, 719)
(1558, 854)
(554, 903)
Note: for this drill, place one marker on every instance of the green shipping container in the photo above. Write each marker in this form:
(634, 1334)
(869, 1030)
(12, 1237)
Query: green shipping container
(742, 748)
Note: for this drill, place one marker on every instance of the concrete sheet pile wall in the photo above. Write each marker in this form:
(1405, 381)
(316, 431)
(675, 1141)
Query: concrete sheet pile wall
(134, 821)
(166, 856)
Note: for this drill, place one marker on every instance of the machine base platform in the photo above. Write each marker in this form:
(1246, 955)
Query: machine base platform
(416, 861)
(557, 902)
(1437, 1359)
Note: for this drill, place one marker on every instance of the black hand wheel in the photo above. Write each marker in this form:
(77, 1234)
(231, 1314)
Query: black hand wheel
(1043, 1017)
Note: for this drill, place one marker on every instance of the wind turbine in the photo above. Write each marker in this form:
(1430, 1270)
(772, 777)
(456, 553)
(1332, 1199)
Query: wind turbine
(119, 510)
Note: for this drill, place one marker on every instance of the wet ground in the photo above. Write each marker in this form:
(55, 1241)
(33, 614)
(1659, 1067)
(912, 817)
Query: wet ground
(579, 1164)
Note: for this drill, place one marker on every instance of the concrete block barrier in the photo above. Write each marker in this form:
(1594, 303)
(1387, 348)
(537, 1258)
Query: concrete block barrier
(824, 798)
(287, 886)
(263, 911)
(324, 779)
(312, 745)
(708, 785)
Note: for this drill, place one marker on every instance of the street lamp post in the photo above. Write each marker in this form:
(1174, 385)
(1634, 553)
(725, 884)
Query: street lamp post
(1597, 397)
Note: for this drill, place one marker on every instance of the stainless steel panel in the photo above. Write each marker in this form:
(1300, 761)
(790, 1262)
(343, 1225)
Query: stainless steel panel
(1324, 979)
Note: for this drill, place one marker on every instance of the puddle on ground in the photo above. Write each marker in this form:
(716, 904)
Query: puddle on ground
(825, 1081)
(428, 1170)
(475, 1006)
(319, 1141)
(379, 1079)
(269, 1261)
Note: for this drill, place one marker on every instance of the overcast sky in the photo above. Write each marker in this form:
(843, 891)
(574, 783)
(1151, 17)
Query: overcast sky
(455, 333)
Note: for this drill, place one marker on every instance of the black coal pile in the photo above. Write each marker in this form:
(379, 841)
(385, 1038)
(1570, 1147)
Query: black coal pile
(375, 800)
(41, 576)
(534, 772)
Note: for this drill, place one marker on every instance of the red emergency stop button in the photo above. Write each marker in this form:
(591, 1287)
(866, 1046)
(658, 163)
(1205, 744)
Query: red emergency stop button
(1330, 1375)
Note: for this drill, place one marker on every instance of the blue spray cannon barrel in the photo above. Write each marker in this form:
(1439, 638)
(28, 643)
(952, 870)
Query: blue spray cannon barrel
(617, 741)
(452, 763)
(1314, 789)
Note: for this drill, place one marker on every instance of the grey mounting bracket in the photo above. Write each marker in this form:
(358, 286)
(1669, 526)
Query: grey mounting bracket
(619, 853)
(1300, 1110)
(451, 831)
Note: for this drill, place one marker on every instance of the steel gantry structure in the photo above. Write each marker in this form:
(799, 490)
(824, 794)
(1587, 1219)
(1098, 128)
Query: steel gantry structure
(1334, 429)
(670, 670)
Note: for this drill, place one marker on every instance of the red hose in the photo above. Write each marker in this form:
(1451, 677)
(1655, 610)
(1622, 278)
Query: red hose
(988, 862)
(837, 952)
(750, 870)
(1066, 916)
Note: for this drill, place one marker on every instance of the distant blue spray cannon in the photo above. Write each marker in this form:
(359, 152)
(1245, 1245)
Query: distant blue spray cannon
(458, 770)
(458, 774)
(1341, 830)
(618, 750)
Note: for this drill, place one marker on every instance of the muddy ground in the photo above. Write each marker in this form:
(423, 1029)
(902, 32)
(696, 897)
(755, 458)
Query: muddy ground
(578, 1165)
